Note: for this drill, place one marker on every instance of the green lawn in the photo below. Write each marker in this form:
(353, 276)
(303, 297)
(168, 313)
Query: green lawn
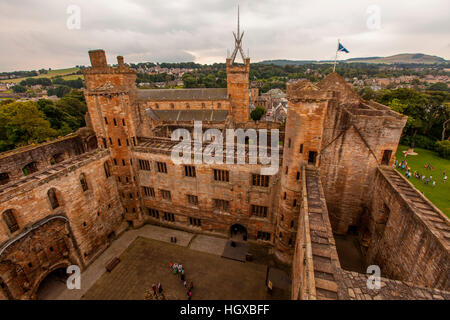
(440, 194)
(50, 74)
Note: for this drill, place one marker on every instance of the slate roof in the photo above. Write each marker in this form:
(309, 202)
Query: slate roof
(183, 94)
(187, 115)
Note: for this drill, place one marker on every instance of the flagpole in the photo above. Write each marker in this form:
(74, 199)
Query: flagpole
(335, 58)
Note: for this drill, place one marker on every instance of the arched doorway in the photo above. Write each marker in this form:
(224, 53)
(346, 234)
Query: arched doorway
(52, 285)
(238, 232)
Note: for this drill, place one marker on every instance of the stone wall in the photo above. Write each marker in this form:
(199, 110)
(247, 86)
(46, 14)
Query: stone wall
(408, 235)
(93, 216)
(354, 142)
(13, 162)
(239, 191)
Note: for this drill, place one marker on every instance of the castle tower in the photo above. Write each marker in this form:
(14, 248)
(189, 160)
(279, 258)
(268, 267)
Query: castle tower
(307, 110)
(109, 94)
(238, 80)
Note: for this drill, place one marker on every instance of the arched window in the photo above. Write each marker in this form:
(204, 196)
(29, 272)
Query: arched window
(52, 197)
(107, 170)
(219, 105)
(30, 168)
(156, 106)
(172, 106)
(4, 178)
(203, 105)
(57, 158)
(10, 220)
(83, 182)
(188, 106)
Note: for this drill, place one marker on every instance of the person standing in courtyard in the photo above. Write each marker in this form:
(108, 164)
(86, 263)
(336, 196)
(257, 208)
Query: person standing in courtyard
(160, 289)
(154, 288)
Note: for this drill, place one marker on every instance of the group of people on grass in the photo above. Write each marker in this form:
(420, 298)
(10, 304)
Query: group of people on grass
(427, 180)
(177, 269)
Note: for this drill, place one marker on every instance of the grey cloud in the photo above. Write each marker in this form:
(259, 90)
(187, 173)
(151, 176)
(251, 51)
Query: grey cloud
(34, 34)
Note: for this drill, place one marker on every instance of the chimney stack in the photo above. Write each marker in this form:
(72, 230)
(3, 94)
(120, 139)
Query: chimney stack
(98, 58)
(120, 61)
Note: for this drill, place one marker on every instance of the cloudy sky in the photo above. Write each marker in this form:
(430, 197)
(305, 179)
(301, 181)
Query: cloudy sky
(34, 34)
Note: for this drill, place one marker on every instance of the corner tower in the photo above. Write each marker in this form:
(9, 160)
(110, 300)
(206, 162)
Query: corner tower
(307, 110)
(238, 80)
(110, 93)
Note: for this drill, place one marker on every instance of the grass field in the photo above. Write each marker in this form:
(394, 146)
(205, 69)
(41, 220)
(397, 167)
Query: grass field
(66, 73)
(440, 194)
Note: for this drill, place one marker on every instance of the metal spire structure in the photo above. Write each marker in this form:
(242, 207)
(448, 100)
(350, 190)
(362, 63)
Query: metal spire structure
(238, 42)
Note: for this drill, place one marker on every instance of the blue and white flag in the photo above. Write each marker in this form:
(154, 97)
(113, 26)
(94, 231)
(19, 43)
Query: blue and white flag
(342, 48)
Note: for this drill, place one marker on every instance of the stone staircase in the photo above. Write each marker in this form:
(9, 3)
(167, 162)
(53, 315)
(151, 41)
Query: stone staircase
(326, 264)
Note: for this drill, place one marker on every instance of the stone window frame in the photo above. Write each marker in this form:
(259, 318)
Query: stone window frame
(165, 194)
(161, 167)
(4, 178)
(83, 182)
(222, 205)
(144, 164)
(189, 171)
(259, 211)
(168, 216)
(192, 199)
(153, 213)
(260, 180)
(263, 236)
(148, 192)
(221, 175)
(54, 198)
(107, 169)
(10, 220)
(197, 222)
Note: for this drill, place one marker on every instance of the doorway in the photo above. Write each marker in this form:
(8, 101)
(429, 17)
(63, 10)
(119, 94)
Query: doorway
(238, 232)
(312, 156)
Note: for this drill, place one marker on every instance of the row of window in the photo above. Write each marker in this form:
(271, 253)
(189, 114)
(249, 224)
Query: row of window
(115, 121)
(290, 241)
(188, 106)
(219, 174)
(219, 204)
(10, 219)
(294, 203)
(170, 217)
(119, 142)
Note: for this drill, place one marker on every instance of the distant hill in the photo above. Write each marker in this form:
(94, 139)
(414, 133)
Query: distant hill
(402, 58)
(416, 58)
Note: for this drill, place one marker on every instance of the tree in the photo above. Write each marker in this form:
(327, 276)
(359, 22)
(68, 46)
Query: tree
(19, 88)
(258, 113)
(440, 86)
(23, 123)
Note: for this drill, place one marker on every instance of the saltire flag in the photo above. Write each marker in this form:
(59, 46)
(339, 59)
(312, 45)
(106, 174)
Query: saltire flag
(342, 48)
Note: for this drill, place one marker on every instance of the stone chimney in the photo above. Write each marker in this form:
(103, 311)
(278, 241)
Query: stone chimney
(120, 62)
(98, 58)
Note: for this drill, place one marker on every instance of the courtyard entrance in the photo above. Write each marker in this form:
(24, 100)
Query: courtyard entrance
(238, 232)
(52, 284)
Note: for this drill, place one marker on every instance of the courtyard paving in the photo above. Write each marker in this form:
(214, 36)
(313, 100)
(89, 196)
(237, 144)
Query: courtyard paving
(146, 262)
(145, 254)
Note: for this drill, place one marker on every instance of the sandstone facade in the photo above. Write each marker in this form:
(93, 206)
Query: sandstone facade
(334, 176)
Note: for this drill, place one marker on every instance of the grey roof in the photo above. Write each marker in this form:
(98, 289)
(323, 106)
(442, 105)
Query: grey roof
(182, 94)
(188, 115)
